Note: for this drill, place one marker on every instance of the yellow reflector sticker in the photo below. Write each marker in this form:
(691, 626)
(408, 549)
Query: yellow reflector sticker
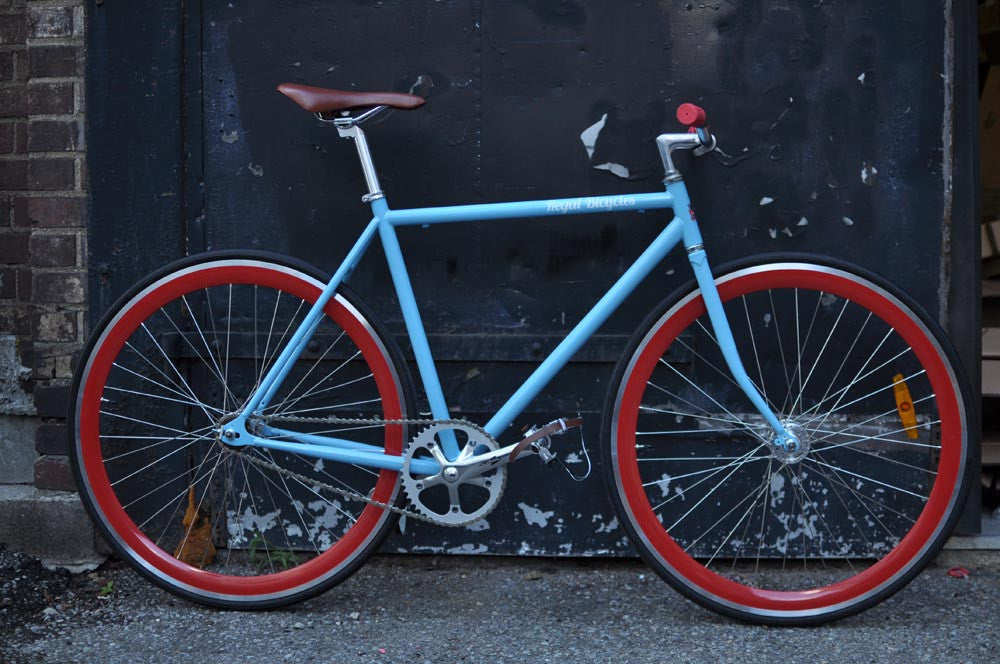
(904, 404)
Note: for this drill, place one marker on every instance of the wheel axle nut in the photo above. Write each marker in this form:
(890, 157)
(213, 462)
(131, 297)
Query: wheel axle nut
(451, 473)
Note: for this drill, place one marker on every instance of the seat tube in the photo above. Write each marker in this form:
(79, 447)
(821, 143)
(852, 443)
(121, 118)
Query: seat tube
(717, 315)
(415, 327)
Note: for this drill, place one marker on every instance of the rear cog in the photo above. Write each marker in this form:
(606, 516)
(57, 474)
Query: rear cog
(461, 492)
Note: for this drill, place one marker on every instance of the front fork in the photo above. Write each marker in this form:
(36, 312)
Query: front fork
(717, 315)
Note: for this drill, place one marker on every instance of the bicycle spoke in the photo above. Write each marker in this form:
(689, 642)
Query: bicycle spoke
(174, 367)
(798, 400)
(756, 356)
(331, 407)
(294, 503)
(866, 396)
(278, 407)
(727, 375)
(160, 441)
(156, 396)
(858, 378)
(713, 400)
(330, 477)
(707, 415)
(179, 495)
(735, 465)
(863, 500)
(696, 458)
(851, 448)
(193, 400)
(201, 503)
(781, 350)
(339, 386)
(752, 495)
(268, 483)
(870, 479)
(860, 438)
(713, 469)
(212, 368)
(145, 422)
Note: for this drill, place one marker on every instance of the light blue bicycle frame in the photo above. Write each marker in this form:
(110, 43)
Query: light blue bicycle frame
(384, 222)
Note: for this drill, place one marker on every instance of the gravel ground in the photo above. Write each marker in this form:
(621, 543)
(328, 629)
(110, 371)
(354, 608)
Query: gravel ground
(434, 609)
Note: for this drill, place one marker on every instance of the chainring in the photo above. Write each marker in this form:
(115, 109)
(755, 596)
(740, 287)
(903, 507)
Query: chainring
(462, 498)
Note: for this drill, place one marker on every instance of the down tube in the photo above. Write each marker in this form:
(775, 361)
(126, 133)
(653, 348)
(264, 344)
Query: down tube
(606, 306)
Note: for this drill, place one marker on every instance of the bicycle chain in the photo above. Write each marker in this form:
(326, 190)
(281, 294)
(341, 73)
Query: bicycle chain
(354, 495)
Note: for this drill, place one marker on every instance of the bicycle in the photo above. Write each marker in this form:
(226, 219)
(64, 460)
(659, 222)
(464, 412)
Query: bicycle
(243, 429)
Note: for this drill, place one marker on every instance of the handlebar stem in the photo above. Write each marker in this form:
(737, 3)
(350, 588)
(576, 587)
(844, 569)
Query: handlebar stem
(667, 143)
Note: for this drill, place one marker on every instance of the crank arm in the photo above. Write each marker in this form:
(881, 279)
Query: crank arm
(481, 463)
(552, 428)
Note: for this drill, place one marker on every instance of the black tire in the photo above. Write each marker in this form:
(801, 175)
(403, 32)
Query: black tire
(699, 430)
(119, 397)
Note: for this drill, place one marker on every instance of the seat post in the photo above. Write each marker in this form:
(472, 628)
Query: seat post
(348, 128)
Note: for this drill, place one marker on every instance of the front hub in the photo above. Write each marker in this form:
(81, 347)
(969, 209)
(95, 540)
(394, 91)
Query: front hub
(793, 451)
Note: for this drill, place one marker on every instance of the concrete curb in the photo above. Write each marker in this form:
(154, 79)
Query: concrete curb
(49, 525)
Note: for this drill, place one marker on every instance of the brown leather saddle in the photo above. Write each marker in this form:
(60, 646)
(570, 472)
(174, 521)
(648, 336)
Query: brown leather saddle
(323, 100)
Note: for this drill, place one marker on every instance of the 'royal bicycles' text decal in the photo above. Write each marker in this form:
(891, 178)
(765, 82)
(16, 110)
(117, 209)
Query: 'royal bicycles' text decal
(590, 203)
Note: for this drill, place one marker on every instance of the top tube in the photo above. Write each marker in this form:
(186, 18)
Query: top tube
(544, 208)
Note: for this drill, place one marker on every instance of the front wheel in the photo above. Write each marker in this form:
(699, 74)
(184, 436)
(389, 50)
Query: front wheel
(171, 363)
(736, 523)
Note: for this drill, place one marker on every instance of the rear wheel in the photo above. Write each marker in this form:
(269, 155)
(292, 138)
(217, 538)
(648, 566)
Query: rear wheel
(179, 356)
(745, 528)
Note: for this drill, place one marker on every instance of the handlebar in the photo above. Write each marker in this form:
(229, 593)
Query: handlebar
(696, 120)
(698, 138)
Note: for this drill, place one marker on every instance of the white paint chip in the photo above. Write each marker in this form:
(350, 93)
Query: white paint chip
(616, 169)
(777, 489)
(772, 232)
(256, 169)
(469, 548)
(868, 173)
(420, 82)
(535, 516)
(590, 134)
(231, 136)
(861, 78)
(767, 200)
(477, 526)
(608, 527)
(848, 221)
(803, 222)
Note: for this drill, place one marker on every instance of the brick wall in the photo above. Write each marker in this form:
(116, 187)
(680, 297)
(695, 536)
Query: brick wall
(42, 220)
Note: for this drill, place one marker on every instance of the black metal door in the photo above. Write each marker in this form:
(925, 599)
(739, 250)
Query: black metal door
(834, 122)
